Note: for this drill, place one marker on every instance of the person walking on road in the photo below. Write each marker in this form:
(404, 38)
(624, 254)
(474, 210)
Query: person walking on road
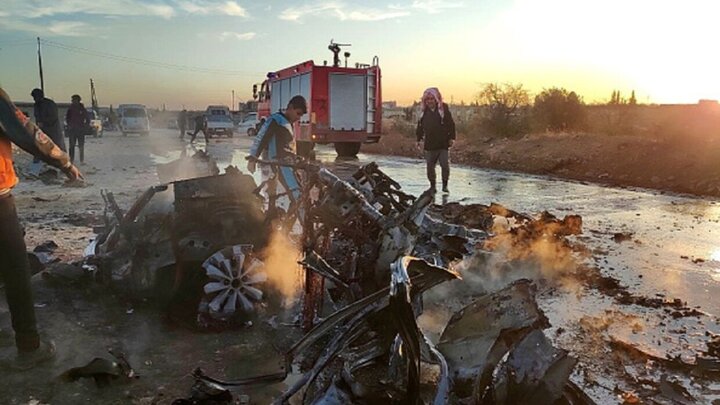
(182, 122)
(200, 124)
(77, 126)
(16, 128)
(437, 128)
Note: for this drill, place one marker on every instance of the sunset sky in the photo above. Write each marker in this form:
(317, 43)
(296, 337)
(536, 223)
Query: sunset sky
(195, 52)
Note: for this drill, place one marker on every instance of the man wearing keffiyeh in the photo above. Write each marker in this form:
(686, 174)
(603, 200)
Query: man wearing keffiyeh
(437, 128)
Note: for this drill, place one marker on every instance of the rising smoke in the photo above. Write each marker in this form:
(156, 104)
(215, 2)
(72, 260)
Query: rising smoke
(281, 258)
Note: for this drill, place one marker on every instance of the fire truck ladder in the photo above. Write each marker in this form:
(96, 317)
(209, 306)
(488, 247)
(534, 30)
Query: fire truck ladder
(371, 91)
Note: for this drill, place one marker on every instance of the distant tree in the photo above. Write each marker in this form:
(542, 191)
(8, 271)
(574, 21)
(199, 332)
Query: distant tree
(557, 109)
(615, 98)
(618, 118)
(632, 100)
(507, 105)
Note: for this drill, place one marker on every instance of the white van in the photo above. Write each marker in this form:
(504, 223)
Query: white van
(134, 118)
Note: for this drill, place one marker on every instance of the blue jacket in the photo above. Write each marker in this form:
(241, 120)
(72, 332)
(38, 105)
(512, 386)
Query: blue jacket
(275, 139)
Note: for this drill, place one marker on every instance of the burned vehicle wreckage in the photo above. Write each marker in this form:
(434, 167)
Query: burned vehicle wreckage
(367, 252)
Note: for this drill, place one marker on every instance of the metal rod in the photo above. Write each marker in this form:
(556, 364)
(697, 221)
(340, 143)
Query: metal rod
(42, 80)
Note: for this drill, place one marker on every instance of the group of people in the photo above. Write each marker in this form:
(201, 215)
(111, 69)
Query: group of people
(76, 118)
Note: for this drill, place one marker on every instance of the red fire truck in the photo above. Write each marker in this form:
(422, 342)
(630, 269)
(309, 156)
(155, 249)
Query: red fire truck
(344, 103)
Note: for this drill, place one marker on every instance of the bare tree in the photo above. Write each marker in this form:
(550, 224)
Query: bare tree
(507, 104)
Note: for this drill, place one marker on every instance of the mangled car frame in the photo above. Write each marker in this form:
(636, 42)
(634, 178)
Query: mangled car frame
(369, 251)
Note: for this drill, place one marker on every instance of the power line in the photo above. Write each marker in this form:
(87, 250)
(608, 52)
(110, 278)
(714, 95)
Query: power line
(147, 62)
(17, 41)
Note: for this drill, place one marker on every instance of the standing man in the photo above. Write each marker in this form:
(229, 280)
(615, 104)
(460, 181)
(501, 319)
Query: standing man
(182, 122)
(77, 125)
(275, 141)
(437, 128)
(14, 266)
(200, 126)
(46, 117)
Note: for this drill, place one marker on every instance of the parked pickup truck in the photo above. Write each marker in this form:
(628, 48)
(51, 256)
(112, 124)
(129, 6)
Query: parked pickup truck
(220, 125)
(219, 121)
(95, 123)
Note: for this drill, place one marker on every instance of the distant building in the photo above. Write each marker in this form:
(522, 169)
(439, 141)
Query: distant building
(389, 104)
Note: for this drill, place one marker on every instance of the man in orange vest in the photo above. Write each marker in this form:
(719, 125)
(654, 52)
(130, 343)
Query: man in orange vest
(16, 128)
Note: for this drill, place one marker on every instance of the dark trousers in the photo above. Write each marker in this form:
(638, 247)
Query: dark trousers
(432, 157)
(76, 136)
(198, 129)
(15, 272)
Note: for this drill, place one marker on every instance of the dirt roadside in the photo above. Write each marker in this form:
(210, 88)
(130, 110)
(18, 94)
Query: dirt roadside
(690, 165)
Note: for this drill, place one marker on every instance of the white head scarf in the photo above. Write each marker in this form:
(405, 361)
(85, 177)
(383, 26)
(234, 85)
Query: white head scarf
(435, 93)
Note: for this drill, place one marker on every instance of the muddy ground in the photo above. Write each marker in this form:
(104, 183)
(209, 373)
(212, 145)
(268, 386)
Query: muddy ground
(687, 164)
(593, 319)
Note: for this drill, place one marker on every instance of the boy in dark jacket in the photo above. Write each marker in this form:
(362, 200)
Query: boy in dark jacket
(437, 128)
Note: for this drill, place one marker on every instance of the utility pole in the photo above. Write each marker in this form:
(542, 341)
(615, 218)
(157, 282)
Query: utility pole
(42, 80)
(93, 98)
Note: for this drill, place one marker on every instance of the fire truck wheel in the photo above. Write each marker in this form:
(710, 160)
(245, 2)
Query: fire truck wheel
(347, 149)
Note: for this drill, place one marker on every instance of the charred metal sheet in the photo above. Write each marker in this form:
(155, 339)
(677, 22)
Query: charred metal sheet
(342, 200)
(198, 165)
(381, 190)
(535, 372)
(205, 392)
(102, 370)
(479, 335)
(343, 322)
(399, 235)
(444, 385)
(357, 357)
(442, 243)
(221, 209)
(334, 396)
(422, 275)
(199, 374)
(401, 308)
(316, 263)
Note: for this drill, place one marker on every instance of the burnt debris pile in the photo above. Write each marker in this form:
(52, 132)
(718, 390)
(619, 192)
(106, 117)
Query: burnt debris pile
(353, 273)
(364, 253)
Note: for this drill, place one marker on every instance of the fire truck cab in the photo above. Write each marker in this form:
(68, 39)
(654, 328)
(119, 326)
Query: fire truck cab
(344, 103)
